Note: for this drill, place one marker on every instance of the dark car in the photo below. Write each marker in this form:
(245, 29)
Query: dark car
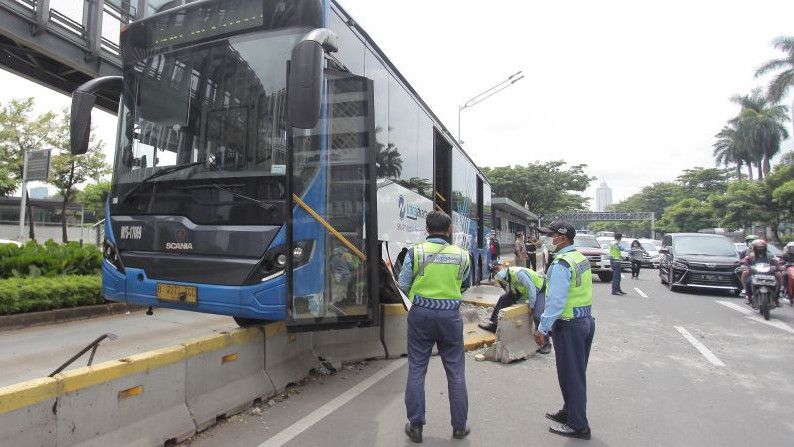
(699, 260)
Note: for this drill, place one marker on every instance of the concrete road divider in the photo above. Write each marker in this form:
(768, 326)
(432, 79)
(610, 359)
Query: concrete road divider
(27, 418)
(288, 357)
(349, 344)
(394, 330)
(139, 400)
(225, 374)
(513, 335)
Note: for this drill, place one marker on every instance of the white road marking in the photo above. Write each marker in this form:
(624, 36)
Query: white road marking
(700, 347)
(317, 415)
(752, 315)
(640, 292)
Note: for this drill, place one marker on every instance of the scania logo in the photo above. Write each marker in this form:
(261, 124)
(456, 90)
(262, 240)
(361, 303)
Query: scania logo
(401, 207)
(179, 246)
(710, 265)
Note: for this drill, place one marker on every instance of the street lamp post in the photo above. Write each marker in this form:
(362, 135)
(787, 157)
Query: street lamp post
(512, 79)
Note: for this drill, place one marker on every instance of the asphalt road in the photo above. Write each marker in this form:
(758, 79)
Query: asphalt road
(35, 352)
(648, 385)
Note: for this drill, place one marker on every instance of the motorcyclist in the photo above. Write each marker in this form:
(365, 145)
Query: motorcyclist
(788, 261)
(757, 253)
(747, 241)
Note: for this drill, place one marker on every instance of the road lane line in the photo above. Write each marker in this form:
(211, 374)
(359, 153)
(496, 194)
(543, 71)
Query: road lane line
(640, 292)
(317, 415)
(752, 315)
(700, 347)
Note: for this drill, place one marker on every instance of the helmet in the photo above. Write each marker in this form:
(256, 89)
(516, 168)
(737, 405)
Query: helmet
(789, 249)
(759, 247)
(750, 238)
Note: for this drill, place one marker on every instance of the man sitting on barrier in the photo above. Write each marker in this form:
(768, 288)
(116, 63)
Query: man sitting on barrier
(520, 283)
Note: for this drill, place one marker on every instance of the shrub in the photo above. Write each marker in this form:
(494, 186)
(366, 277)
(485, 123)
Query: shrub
(50, 259)
(18, 295)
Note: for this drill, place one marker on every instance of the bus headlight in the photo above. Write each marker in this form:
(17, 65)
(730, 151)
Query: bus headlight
(297, 253)
(281, 260)
(275, 261)
(111, 255)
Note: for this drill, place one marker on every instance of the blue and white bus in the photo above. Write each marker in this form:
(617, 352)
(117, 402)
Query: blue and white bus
(271, 162)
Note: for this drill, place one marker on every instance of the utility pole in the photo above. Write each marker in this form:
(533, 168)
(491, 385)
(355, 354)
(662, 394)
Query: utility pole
(23, 198)
(512, 79)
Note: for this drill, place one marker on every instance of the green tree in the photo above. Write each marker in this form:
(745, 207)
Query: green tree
(67, 171)
(7, 183)
(93, 198)
(545, 187)
(687, 215)
(699, 183)
(743, 204)
(761, 124)
(783, 197)
(21, 132)
(654, 198)
(783, 82)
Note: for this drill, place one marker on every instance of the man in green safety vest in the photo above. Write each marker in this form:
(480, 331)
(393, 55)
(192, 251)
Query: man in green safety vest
(615, 257)
(432, 275)
(567, 317)
(520, 283)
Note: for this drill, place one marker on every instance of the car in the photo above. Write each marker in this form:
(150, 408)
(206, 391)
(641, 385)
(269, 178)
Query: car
(599, 258)
(652, 259)
(9, 241)
(699, 260)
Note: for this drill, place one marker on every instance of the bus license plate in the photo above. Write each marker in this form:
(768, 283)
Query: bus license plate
(180, 294)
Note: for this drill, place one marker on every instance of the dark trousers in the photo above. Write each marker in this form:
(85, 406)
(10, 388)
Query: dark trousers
(635, 268)
(428, 327)
(615, 275)
(506, 300)
(572, 342)
(532, 262)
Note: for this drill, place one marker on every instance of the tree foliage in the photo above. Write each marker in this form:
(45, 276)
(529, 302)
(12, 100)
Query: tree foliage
(7, 182)
(687, 215)
(545, 187)
(93, 198)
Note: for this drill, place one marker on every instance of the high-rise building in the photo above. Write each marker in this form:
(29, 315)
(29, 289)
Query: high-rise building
(603, 197)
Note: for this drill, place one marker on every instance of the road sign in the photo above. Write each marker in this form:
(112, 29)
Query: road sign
(38, 166)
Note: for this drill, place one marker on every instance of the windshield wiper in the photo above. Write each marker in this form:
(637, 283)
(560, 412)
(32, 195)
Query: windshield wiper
(160, 173)
(259, 203)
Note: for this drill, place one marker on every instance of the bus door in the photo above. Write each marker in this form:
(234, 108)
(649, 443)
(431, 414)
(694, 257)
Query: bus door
(332, 175)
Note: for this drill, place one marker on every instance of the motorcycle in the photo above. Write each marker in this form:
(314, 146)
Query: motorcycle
(763, 285)
(788, 274)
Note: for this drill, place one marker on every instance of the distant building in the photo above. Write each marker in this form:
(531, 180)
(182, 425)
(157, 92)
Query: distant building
(603, 197)
(39, 192)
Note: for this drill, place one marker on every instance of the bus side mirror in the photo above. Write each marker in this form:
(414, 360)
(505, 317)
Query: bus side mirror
(83, 99)
(305, 84)
(80, 121)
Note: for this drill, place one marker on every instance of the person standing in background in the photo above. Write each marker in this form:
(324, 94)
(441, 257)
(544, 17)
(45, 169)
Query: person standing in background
(635, 254)
(614, 260)
(520, 251)
(532, 258)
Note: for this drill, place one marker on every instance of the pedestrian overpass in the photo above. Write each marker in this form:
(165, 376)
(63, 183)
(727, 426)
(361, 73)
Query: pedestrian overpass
(64, 43)
(581, 219)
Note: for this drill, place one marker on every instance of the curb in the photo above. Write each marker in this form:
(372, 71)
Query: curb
(480, 303)
(478, 341)
(20, 321)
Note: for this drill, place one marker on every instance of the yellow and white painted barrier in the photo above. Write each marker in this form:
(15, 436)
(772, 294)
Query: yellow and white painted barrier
(394, 330)
(349, 344)
(513, 335)
(288, 357)
(27, 418)
(225, 374)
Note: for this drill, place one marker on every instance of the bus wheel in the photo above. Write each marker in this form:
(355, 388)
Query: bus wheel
(246, 322)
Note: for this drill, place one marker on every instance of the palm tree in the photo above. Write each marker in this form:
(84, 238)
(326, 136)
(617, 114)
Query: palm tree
(760, 124)
(730, 149)
(784, 66)
(388, 160)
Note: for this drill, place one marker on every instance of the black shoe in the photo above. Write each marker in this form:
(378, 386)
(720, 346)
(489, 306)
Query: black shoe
(546, 349)
(616, 293)
(559, 417)
(621, 292)
(490, 327)
(414, 433)
(462, 433)
(565, 430)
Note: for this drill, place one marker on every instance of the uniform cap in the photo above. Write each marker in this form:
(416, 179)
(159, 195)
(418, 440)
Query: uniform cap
(559, 227)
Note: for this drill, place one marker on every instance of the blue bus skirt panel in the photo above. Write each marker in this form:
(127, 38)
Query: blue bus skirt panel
(113, 286)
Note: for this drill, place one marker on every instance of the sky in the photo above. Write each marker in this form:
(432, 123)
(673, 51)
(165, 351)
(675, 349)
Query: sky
(635, 90)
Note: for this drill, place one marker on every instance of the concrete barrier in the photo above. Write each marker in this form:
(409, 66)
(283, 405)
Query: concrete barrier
(349, 344)
(139, 400)
(513, 335)
(394, 330)
(225, 373)
(288, 357)
(26, 413)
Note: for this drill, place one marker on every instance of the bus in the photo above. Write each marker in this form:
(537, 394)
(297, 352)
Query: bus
(271, 164)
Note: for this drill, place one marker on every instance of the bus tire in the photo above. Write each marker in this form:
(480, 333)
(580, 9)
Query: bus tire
(247, 322)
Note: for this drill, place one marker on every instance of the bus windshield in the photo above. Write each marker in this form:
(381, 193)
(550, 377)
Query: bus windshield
(219, 106)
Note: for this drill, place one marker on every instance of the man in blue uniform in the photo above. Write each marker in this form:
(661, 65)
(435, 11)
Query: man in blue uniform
(432, 276)
(569, 299)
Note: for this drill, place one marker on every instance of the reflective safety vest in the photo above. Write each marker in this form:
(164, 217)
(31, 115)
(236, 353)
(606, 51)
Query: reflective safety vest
(512, 278)
(614, 251)
(580, 292)
(438, 271)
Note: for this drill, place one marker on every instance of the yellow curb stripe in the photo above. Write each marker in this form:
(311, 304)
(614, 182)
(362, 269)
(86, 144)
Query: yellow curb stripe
(275, 328)
(478, 341)
(393, 309)
(25, 394)
(88, 376)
